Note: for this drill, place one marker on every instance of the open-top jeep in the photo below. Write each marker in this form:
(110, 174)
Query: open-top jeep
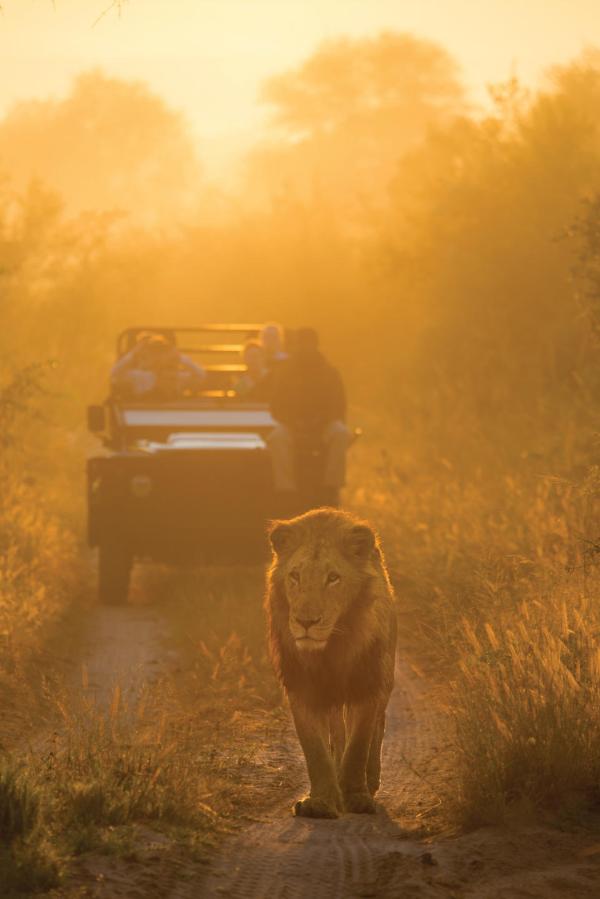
(186, 478)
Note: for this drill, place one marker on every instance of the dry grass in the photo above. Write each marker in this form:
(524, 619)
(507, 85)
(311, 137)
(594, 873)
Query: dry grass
(27, 859)
(526, 707)
(218, 620)
(38, 564)
(128, 762)
(494, 568)
(108, 769)
(185, 755)
(40, 568)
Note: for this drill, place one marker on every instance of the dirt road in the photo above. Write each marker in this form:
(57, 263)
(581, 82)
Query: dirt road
(358, 855)
(391, 854)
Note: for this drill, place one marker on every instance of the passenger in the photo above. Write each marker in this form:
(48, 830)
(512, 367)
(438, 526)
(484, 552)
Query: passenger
(271, 338)
(154, 367)
(255, 383)
(308, 399)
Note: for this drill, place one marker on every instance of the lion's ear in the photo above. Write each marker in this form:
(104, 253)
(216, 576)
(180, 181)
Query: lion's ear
(281, 535)
(359, 542)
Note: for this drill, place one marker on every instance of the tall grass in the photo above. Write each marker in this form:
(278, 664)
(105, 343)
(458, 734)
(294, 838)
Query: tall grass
(133, 760)
(184, 755)
(493, 558)
(468, 543)
(218, 619)
(526, 707)
(37, 562)
(27, 860)
(39, 567)
(494, 566)
(185, 749)
(146, 759)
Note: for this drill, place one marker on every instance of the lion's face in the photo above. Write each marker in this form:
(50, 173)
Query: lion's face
(321, 566)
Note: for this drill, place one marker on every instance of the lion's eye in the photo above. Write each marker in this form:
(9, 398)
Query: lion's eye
(294, 577)
(333, 577)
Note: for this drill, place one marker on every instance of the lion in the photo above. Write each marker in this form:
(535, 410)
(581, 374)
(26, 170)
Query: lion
(332, 638)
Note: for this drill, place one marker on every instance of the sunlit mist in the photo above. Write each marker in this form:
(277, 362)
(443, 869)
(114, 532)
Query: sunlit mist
(208, 59)
(311, 290)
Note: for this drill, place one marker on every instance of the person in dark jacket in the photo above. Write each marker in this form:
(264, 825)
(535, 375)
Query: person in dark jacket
(308, 401)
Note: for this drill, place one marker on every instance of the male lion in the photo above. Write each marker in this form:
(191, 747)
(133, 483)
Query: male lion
(332, 628)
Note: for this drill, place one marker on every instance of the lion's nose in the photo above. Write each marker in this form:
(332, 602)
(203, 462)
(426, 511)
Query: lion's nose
(308, 622)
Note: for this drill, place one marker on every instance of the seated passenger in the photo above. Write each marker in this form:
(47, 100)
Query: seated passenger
(255, 383)
(155, 368)
(308, 400)
(271, 338)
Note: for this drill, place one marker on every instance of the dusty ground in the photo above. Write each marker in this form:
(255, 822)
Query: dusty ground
(400, 852)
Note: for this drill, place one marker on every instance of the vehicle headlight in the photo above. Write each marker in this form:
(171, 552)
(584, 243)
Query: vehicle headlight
(141, 485)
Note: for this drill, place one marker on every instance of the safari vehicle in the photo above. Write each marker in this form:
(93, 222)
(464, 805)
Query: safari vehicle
(187, 478)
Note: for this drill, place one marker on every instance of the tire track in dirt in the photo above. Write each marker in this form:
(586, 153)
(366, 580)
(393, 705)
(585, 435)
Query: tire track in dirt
(358, 855)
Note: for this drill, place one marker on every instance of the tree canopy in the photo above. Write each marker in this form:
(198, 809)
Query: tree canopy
(110, 144)
(342, 120)
(395, 76)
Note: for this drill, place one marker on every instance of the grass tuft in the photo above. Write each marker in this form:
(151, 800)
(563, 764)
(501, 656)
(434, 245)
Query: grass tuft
(526, 708)
(19, 804)
(27, 862)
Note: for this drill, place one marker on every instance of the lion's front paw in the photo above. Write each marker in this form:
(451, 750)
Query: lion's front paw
(372, 785)
(360, 803)
(315, 808)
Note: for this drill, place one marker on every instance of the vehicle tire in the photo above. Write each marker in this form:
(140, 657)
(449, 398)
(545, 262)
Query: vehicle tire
(114, 570)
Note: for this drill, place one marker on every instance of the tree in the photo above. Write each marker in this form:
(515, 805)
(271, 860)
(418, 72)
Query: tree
(342, 120)
(405, 81)
(110, 144)
(477, 245)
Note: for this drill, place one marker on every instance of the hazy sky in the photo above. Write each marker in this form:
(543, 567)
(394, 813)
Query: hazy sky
(208, 57)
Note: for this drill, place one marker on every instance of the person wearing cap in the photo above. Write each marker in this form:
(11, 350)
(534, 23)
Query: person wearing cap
(308, 398)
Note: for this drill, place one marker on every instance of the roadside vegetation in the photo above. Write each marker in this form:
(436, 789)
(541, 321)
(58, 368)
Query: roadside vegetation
(37, 553)
(456, 283)
(498, 590)
(27, 860)
(180, 761)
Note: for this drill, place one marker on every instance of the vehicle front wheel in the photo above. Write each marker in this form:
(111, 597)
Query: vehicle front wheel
(114, 570)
